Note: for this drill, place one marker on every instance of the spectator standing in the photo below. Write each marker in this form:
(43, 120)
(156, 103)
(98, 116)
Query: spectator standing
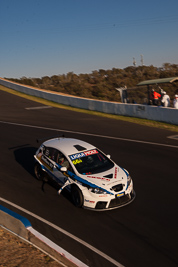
(161, 91)
(175, 102)
(165, 101)
(155, 97)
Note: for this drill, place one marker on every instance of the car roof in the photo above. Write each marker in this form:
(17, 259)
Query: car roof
(68, 146)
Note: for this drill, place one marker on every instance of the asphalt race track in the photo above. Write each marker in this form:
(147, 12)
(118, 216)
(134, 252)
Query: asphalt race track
(143, 233)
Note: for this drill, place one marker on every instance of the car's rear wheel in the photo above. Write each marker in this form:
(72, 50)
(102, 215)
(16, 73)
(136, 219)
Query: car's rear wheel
(77, 197)
(38, 172)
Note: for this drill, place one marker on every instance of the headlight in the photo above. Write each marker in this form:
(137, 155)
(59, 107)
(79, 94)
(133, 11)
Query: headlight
(129, 179)
(98, 191)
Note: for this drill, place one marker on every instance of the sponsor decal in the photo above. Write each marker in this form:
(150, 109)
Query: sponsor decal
(76, 156)
(120, 194)
(141, 108)
(90, 152)
(90, 201)
(101, 178)
(48, 163)
(115, 173)
(83, 154)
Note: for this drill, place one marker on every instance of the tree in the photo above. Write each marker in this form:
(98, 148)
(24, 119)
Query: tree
(101, 84)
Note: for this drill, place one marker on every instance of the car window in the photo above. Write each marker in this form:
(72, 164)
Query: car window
(50, 152)
(57, 156)
(61, 159)
(91, 162)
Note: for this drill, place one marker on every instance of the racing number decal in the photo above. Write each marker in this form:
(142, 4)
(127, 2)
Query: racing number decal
(76, 161)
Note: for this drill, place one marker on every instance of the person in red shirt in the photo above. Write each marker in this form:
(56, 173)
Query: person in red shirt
(155, 97)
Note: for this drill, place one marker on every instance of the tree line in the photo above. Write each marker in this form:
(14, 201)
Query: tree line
(102, 84)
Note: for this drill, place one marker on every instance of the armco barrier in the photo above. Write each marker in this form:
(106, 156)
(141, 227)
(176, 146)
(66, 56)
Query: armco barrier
(168, 115)
(22, 227)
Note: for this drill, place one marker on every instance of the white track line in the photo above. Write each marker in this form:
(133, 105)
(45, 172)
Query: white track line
(41, 107)
(89, 134)
(173, 137)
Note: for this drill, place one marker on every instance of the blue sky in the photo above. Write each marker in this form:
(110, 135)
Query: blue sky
(50, 37)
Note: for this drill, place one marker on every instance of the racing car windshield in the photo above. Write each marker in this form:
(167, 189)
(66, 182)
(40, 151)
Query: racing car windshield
(91, 162)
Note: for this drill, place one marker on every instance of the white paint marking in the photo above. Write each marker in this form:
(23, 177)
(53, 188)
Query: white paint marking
(41, 107)
(97, 251)
(57, 248)
(173, 137)
(90, 134)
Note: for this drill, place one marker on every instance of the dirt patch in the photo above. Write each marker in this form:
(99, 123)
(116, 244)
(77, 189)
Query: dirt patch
(16, 252)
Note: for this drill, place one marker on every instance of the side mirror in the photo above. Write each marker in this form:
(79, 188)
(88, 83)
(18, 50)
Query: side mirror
(63, 169)
(109, 156)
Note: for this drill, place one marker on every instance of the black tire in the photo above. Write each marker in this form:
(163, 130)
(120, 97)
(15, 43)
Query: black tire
(39, 174)
(77, 197)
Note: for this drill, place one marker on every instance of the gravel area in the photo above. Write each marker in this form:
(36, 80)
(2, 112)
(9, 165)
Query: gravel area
(16, 252)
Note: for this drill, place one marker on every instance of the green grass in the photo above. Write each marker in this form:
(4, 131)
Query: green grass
(145, 122)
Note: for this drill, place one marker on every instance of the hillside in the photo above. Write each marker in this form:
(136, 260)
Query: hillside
(102, 84)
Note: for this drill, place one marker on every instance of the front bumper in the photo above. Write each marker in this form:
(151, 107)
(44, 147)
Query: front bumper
(113, 203)
(103, 202)
(116, 202)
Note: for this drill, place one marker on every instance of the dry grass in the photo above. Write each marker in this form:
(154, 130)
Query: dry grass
(16, 252)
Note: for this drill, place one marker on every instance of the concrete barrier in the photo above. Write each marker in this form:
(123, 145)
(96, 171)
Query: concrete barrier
(162, 114)
(14, 222)
(22, 227)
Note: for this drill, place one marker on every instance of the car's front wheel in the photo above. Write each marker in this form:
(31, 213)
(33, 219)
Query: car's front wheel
(77, 197)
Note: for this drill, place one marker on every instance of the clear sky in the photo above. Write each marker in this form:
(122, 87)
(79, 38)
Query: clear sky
(50, 37)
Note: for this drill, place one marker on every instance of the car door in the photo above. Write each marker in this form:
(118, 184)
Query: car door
(49, 159)
(59, 158)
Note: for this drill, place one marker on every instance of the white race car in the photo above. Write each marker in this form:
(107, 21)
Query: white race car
(94, 180)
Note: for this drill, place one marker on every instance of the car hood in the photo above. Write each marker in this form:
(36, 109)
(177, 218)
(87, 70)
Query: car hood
(107, 179)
